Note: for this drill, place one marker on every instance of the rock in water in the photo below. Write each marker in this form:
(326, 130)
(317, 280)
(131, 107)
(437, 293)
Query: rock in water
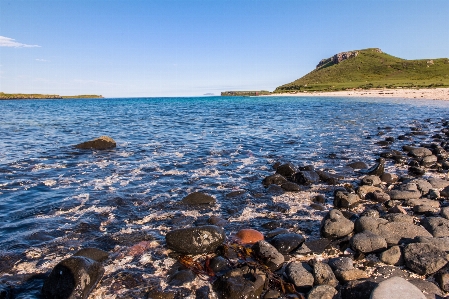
(95, 254)
(197, 198)
(268, 254)
(396, 288)
(378, 168)
(100, 143)
(195, 240)
(73, 278)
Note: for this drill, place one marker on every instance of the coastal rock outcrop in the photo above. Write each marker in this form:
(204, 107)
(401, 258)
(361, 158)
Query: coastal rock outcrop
(195, 240)
(100, 143)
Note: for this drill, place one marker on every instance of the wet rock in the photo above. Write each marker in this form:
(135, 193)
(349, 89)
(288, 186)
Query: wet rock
(277, 231)
(198, 198)
(335, 225)
(389, 178)
(286, 170)
(437, 226)
(249, 236)
(275, 190)
(320, 198)
(74, 277)
(240, 283)
(272, 224)
(219, 264)
(275, 179)
(286, 243)
(392, 256)
(291, 187)
(181, 277)
(95, 254)
(378, 168)
(195, 240)
(358, 289)
(202, 293)
(445, 212)
(434, 194)
(367, 242)
(371, 180)
(418, 171)
(441, 243)
(377, 196)
(323, 292)
(317, 207)
(345, 199)
(420, 152)
(443, 281)
(438, 183)
(156, 294)
(236, 193)
(272, 294)
(317, 246)
(323, 274)
(218, 221)
(268, 254)
(396, 288)
(307, 177)
(358, 165)
(362, 191)
(445, 192)
(341, 263)
(424, 258)
(429, 161)
(329, 178)
(300, 274)
(100, 143)
(423, 186)
(5, 292)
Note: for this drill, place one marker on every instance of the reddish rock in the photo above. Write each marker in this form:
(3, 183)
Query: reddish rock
(249, 236)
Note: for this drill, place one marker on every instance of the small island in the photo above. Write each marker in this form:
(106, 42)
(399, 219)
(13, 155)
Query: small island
(23, 96)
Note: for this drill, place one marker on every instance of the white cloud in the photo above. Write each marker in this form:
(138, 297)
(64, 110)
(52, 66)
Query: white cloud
(40, 59)
(11, 43)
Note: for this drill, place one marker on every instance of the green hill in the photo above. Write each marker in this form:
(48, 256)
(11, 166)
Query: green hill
(23, 96)
(371, 68)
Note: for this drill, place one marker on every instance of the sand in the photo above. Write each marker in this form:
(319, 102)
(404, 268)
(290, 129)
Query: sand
(428, 94)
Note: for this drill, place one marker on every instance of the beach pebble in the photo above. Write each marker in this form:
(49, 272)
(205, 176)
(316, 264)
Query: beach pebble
(219, 264)
(378, 196)
(218, 221)
(351, 274)
(438, 183)
(437, 226)
(371, 180)
(420, 152)
(249, 236)
(323, 274)
(100, 143)
(300, 274)
(286, 243)
(389, 178)
(322, 292)
(367, 242)
(341, 263)
(424, 258)
(275, 179)
(344, 199)
(396, 288)
(404, 194)
(335, 225)
(195, 240)
(291, 187)
(358, 165)
(74, 277)
(392, 256)
(268, 254)
(198, 198)
(441, 243)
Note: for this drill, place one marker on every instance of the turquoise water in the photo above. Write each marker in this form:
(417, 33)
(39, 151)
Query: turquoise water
(56, 197)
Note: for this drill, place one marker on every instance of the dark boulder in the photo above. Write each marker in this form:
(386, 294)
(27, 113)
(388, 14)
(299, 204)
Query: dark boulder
(240, 283)
(286, 243)
(424, 258)
(100, 143)
(275, 179)
(95, 254)
(268, 254)
(197, 198)
(335, 225)
(307, 177)
(195, 240)
(286, 170)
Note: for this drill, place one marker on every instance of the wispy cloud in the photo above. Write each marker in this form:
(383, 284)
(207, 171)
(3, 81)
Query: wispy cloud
(40, 59)
(12, 43)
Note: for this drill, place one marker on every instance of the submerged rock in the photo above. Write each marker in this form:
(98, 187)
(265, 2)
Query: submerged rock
(195, 240)
(100, 143)
(197, 198)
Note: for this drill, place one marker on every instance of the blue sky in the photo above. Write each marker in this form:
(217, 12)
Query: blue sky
(134, 48)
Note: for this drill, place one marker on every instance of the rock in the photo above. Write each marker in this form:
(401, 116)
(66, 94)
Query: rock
(424, 258)
(392, 256)
(362, 191)
(335, 225)
(400, 218)
(366, 223)
(443, 281)
(344, 199)
(429, 161)
(389, 178)
(240, 283)
(397, 209)
(286, 243)
(371, 180)
(181, 277)
(320, 198)
(422, 185)
(404, 194)
(218, 221)
(275, 189)
(249, 236)
(341, 263)
(349, 275)
(286, 170)
(300, 274)
(434, 194)
(423, 202)
(156, 294)
(420, 152)
(291, 187)
(275, 179)
(368, 242)
(445, 212)
(438, 183)
(219, 264)
(276, 231)
(358, 165)
(437, 226)
(429, 289)
(307, 177)
(195, 240)
(100, 143)
(73, 278)
(323, 292)
(377, 196)
(323, 274)
(378, 169)
(272, 294)
(358, 289)
(396, 288)
(317, 207)
(329, 178)
(95, 254)
(235, 193)
(198, 198)
(5, 292)
(268, 254)
(317, 246)
(441, 243)
(418, 171)
(445, 192)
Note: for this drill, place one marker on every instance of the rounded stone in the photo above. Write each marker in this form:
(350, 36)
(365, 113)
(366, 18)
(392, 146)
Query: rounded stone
(195, 240)
(249, 236)
(268, 254)
(367, 242)
(100, 143)
(300, 274)
(197, 198)
(424, 258)
(322, 292)
(335, 225)
(286, 243)
(396, 288)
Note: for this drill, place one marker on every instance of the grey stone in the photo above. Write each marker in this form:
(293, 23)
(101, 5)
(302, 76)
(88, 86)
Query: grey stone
(275, 179)
(323, 274)
(181, 277)
(195, 240)
(240, 283)
(389, 178)
(323, 292)
(423, 202)
(443, 281)
(396, 288)
(441, 243)
(350, 275)
(371, 180)
(197, 198)
(404, 194)
(434, 194)
(100, 143)
(286, 243)
(429, 289)
(291, 187)
(344, 199)
(341, 263)
(366, 223)
(358, 165)
(268, 254)
(300, 274)
(73, 278)
(392, 256)
(438, 183)
(445, 212)
(445, 192)
(335, 225)
(400, 218)
(420, 152)
(424, 258)
(95, 254)
(364, 190)
(286, 170)
(378, 196)
(367, 242)
(423, 186)
(307, 177)
(437, 226)
(429, 161)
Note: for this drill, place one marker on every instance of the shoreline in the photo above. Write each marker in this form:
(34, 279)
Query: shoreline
(406, 93)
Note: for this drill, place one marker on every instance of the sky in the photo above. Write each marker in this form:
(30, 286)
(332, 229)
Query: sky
(152, 48)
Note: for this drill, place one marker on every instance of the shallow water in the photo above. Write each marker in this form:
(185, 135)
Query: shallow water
(55, 199)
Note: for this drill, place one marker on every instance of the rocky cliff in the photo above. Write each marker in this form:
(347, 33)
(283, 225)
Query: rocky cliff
(337, 58)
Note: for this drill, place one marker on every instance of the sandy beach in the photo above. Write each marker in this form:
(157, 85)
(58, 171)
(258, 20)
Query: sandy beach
(430, 94)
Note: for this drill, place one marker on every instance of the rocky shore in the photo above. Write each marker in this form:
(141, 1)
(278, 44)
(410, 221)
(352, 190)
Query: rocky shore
(371, 231)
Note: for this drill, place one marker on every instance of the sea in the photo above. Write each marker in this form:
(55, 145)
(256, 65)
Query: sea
(56, 199)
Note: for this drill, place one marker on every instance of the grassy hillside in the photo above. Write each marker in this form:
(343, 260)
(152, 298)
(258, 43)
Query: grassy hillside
(371, 69)
(23, 96)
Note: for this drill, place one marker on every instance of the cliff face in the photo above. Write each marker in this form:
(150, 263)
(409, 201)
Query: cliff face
(337, 58)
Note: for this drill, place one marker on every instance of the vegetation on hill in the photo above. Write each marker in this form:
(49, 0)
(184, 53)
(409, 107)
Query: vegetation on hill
(23, 96)
(371, 68)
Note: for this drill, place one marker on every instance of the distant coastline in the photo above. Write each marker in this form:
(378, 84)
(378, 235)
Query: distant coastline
(23, 96)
